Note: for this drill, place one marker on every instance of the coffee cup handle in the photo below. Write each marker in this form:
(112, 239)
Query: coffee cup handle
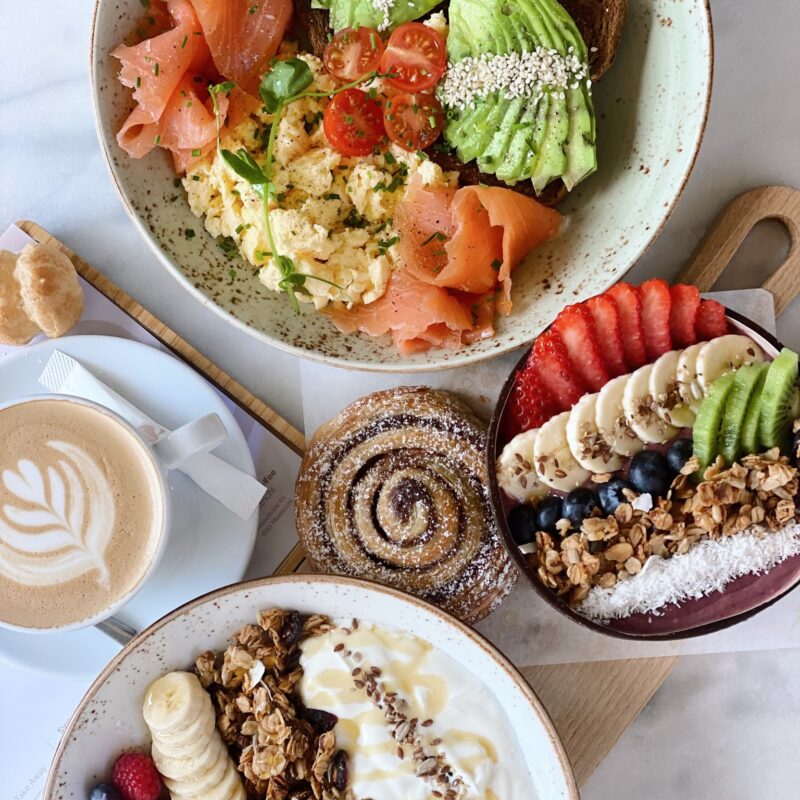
(198, 436)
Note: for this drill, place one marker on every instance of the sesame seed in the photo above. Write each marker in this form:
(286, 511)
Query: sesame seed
(514, 75)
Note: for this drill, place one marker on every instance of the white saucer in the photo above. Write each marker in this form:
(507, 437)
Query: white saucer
(209, 546)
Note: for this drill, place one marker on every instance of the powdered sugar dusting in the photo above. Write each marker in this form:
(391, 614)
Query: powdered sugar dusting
(395, 489)
(708, 567)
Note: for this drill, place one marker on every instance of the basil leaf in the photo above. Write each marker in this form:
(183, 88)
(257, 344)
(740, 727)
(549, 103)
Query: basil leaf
(286, 79)
(244, 166)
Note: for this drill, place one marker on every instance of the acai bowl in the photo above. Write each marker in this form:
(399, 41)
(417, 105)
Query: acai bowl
(643, 461)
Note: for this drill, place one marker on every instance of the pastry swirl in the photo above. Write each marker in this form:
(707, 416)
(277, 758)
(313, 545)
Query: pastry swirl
(394, 489)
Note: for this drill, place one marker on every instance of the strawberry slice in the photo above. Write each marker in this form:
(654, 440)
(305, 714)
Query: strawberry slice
(608, 328)
(629, 306)
(576, 328)
(711, 320)
(656, 308)
(683, 316)
(557, 370)
(529, 404)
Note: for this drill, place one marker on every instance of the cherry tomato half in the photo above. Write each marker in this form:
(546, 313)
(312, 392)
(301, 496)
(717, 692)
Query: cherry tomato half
(352, 53)
(413, 121)
(353, 123)
(416, 55)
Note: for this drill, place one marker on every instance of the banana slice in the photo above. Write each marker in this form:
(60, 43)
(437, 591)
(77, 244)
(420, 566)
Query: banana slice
(610, 418)
(725, 354)
(553, 459)
(192, 765)
(174, 701)
(201, 781)
(201, 728)
(638, 405)
(688, 383)
(591, 448)
(229, 788)
(664, 388)
(515, 472)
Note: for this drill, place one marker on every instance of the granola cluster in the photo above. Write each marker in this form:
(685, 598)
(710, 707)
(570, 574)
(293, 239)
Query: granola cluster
(759, 490)
(283, 750)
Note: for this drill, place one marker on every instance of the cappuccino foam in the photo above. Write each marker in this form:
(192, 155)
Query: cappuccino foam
(81, 512)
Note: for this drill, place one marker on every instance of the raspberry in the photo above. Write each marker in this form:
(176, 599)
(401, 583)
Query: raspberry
(608, 327)
(629, 306)
(136, 777)
(576, 328)
(683, 317)
(656, 309)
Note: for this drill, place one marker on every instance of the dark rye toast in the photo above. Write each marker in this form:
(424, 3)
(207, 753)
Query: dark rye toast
(600, 23)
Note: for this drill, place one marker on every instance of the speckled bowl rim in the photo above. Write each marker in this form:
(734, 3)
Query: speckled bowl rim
(343, 361)
(459, 627)
(527, 571)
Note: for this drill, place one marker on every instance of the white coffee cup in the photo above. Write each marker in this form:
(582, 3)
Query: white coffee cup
(158, 458)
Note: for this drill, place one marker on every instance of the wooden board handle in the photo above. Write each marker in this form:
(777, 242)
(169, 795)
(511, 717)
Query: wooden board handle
(731, 228)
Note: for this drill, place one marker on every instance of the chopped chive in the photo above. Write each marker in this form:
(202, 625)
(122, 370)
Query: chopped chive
(496, 264)
(422, 155)
(239, 228)
(432, 121)
(155, 69)
(331, 196)
(138, 81)
(197, 178)
(157, 139)
(385, 244)
(253, 9)
(183, 43)
(195, 153)
(389, 158)
(435, 236)
(232, 273)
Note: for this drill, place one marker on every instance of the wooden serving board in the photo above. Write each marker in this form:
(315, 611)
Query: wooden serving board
(591, 703)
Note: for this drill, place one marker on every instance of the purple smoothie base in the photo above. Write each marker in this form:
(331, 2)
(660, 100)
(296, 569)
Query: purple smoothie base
(740, 599)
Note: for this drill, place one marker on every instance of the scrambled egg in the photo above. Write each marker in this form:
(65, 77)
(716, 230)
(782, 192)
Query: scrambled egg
(332, 214)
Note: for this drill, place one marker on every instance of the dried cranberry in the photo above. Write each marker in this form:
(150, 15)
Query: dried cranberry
(320, 721)
(292, 629)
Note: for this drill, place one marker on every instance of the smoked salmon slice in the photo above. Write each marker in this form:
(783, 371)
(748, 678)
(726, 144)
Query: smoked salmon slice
(243, 35)
(472, 238)
(154, 68)
(418, 315)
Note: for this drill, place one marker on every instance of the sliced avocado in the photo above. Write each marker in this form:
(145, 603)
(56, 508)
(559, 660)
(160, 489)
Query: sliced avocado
(520, 154)
(539, 138)
(580, 145)
(496, 151)
(353, 13)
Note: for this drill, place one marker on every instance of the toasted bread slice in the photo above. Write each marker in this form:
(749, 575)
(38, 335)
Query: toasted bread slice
(600, 23)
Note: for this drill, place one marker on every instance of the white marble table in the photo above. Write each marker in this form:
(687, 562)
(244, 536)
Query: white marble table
(721, 726)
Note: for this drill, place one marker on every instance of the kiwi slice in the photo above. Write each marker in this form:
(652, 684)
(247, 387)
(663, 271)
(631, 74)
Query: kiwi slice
(736, 406)
(706, 430)
(749, 435)
(777, 399)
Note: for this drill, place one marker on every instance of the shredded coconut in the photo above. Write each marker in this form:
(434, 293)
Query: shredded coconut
(514, 74)
(708, 567)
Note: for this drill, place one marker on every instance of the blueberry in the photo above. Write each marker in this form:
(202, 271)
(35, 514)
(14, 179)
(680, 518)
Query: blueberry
(610, 494)
(522, 524)
(680, 451)
(649, 472)
(104, 791)
(548, 513)
(578, 505)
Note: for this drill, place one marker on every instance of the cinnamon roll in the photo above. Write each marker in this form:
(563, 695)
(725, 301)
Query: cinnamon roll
(394, 489)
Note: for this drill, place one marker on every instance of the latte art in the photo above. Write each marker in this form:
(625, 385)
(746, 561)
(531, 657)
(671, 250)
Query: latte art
(81, 512)
(61, 526)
